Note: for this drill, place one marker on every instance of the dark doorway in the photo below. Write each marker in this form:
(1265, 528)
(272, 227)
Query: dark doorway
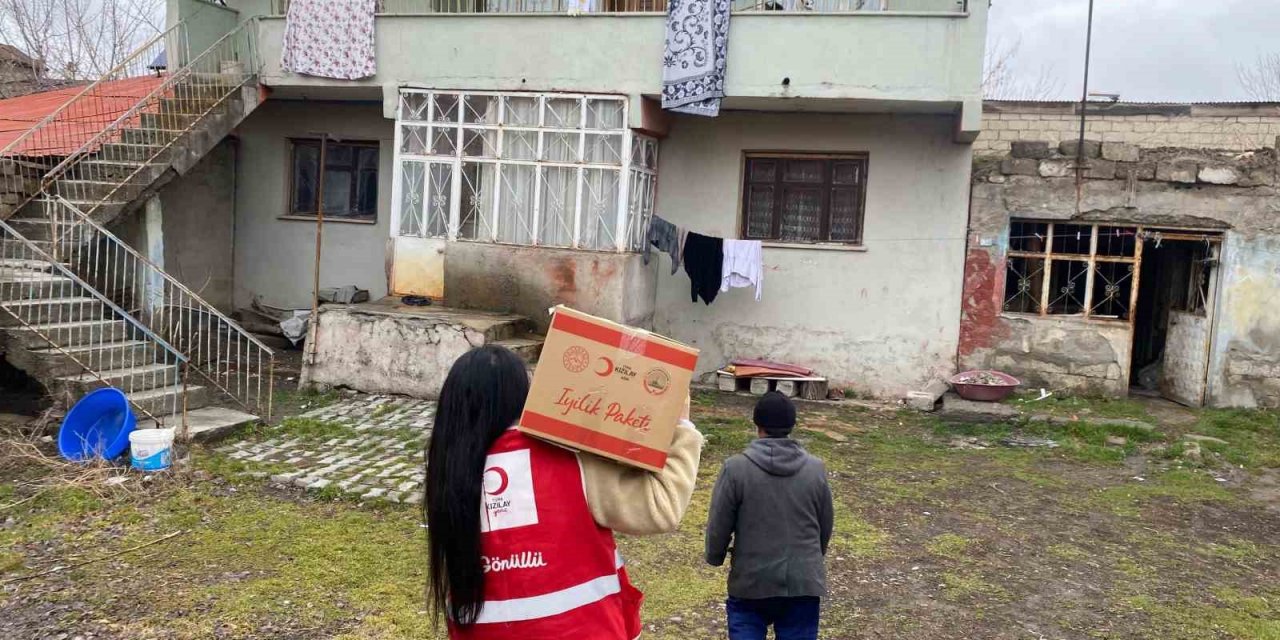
(1171, 330)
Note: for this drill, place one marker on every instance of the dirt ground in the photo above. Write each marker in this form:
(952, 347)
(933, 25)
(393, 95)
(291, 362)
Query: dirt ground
(942, 532)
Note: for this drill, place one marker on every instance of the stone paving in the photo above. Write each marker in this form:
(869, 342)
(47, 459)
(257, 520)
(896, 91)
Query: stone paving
(380, 459)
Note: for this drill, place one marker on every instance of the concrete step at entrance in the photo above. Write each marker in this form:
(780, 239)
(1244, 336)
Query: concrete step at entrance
(122, 151)
(207, 424)
(53, 311)
(527, 346)
(164, 401)
(52, 363)
(64, 334)
(136, 378)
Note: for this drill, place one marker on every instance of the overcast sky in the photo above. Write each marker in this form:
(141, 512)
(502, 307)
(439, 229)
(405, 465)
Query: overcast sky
(1145, 50)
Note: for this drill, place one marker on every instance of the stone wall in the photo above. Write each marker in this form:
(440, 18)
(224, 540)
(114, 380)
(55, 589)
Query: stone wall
(1235, 127)
(1231, 192)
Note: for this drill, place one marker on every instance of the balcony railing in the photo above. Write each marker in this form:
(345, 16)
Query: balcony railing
(498, 7)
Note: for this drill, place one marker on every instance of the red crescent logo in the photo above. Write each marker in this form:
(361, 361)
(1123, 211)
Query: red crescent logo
(608, 367)
(502, 480)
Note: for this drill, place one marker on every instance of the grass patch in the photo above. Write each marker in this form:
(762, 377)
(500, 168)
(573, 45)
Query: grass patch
(1253, 436)
(1183, 486)
(962, 585)
(1081, 406)
(313, 429)
(1067, 551)
(1228, 613)
(949, 545)
(384, 409)
(10, 561)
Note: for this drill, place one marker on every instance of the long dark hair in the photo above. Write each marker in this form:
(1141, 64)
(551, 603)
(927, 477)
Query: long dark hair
(482, 396)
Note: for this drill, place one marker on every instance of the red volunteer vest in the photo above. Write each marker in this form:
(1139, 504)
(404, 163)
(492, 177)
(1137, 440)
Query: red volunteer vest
(551, 572)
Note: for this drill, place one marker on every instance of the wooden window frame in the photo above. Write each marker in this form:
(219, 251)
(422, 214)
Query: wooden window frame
(827, 186)
(295, 143)
(1049, 256)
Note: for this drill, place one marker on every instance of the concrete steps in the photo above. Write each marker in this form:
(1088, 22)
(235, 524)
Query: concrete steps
(209, 423)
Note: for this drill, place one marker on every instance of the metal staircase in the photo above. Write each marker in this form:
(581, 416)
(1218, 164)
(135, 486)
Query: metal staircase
(82, 309)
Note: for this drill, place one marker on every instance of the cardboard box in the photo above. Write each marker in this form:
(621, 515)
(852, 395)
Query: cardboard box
(608, 389)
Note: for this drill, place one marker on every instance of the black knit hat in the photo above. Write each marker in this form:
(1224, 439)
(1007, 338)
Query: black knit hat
(775, 414)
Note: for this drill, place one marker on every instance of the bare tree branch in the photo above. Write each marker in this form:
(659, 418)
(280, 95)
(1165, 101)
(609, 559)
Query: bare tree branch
(1003, 80)
(1261, 80)
(78, 40)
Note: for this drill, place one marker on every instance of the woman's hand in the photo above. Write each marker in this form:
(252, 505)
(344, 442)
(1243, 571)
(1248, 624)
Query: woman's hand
(684, 413)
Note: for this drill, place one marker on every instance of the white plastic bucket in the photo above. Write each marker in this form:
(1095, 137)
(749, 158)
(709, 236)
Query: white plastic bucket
(151, 449)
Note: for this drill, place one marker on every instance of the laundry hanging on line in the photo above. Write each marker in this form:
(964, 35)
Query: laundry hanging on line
(703, 262)
(667, 238)
(330, 38)
(743, 265)
(694, 56)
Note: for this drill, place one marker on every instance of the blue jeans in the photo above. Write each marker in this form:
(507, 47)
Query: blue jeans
(791, 618)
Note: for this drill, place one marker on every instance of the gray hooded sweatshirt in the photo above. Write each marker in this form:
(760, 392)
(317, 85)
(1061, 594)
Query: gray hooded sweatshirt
(774, 503)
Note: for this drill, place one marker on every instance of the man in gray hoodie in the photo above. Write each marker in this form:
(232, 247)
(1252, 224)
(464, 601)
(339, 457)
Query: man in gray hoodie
(773, 502)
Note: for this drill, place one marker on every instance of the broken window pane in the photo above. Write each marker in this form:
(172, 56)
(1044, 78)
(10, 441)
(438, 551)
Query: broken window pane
(1072, 238)
(1028, 236)
(1066, 286)
(1023, 283)
(1119, 242)
(1112, 289)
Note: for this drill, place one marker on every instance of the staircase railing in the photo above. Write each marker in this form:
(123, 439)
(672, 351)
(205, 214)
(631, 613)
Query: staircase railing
(48, 299)
(140, 135)
(218, 349)
(31, 157)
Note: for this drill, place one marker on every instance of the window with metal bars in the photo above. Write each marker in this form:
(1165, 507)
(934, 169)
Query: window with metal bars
(550, 169)
(1057, 268)
(804, 198)
(349, 179)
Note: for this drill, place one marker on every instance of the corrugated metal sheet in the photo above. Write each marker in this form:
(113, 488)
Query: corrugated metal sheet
(77, 125)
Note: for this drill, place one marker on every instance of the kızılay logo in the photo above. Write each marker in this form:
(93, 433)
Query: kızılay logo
(496, 481)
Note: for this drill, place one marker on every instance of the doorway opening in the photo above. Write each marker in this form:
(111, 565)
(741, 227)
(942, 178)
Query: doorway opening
(1173, 320)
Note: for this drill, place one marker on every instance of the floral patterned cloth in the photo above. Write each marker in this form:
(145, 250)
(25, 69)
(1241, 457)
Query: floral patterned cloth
(330, 38)
(693, 59)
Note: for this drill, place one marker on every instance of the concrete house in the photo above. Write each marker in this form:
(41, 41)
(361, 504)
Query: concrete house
(505, 157)
(508, 157)
(1158, 270)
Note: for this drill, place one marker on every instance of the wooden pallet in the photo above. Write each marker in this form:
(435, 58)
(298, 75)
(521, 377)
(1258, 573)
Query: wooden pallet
(808, 388)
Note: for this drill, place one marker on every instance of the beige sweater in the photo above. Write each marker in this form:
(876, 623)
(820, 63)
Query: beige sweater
(638, 502)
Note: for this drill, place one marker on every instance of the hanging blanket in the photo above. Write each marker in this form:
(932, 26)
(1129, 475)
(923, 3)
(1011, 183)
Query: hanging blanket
(330, 38)
(693, 60)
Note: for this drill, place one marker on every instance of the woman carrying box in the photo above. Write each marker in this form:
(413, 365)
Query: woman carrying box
(521, 531)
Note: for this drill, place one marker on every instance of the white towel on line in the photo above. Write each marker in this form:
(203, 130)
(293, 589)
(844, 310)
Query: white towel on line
(743, 265)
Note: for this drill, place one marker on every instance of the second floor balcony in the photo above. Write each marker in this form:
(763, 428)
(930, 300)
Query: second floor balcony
(794, 55)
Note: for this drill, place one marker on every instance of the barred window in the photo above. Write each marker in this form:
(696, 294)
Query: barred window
(558, 170)
(804, 198)
(1056, 268)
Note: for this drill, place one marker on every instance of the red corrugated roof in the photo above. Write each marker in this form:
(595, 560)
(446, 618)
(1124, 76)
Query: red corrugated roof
(76, 125)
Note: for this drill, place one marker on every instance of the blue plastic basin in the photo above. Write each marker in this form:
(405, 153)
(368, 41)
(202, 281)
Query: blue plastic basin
(98, 426)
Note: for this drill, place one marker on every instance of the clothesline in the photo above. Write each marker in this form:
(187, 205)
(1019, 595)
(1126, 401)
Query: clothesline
(713, 264)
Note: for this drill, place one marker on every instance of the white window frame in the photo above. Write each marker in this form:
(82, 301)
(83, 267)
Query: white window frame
(636, 169)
